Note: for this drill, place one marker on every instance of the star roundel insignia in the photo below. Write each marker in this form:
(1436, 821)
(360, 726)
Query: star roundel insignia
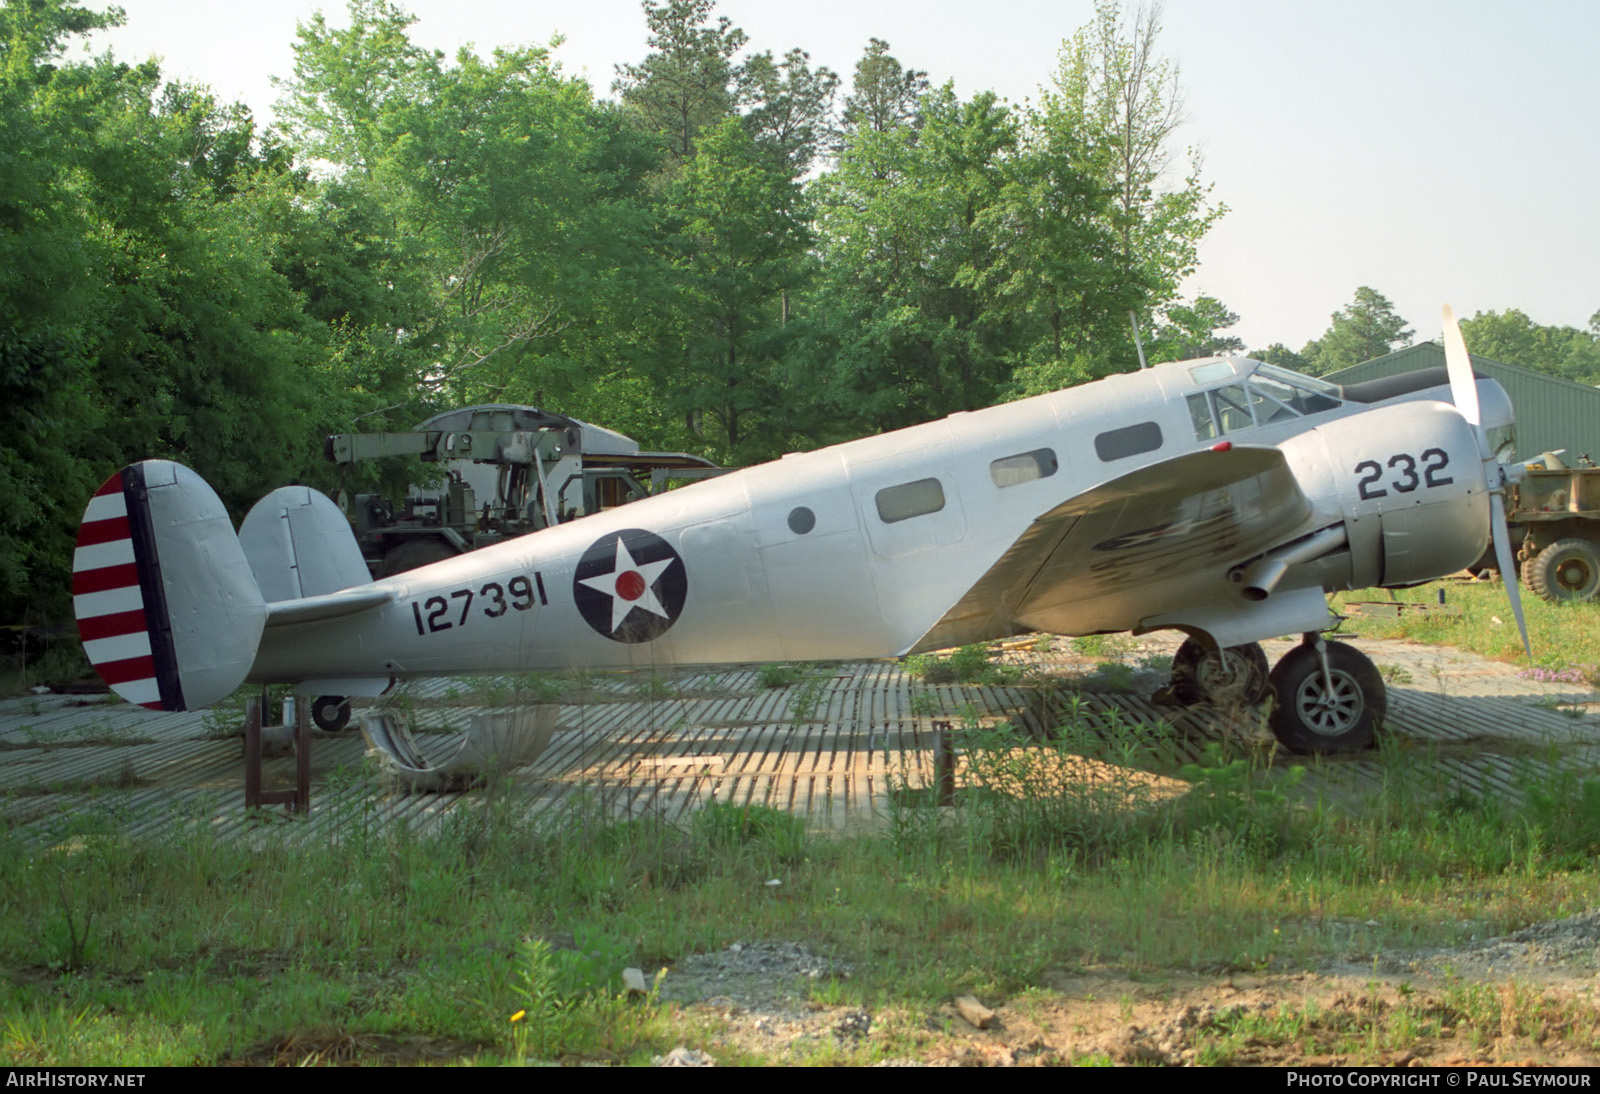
(630, 585)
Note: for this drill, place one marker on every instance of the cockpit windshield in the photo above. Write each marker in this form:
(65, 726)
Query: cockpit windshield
(1270, 394)
(1313, 395)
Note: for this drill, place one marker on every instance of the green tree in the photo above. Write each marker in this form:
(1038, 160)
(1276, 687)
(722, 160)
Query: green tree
(883, 94)
(1060, 261)
(512, 204)
(1366, 328)
(48, 289)
(346, 80)
(1126, 103)
(908, 249)
(689, 81)
(1280, 354)
(739, 251)
(145, 312)
(1512, 337)
(1195, 330)
(789, 105)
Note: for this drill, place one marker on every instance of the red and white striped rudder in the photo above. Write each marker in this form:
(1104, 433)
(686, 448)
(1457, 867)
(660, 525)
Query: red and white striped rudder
(168, 611)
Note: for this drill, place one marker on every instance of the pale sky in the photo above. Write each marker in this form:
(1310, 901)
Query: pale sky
(1437, 150)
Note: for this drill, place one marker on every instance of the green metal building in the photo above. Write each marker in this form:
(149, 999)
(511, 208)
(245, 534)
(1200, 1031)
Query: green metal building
(1552, 413)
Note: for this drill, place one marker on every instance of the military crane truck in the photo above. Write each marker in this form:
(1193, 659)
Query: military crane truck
(508, 470)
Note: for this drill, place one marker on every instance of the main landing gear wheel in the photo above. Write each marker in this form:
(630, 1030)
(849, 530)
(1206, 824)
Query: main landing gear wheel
(1568, 569)
(1309, 716)
(1235, 677)
(330, 712)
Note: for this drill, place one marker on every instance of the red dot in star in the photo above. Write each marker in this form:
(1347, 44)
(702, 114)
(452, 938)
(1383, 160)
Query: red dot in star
(630, 585)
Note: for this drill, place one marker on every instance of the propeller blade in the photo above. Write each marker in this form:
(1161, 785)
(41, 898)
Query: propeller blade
(1463, 388)
(1508, 566)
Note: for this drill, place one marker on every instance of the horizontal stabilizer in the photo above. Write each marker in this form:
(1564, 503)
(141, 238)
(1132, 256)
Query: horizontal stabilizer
(312, 608)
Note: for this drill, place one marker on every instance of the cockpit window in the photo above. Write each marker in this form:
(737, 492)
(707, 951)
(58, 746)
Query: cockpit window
(1205, 428)
(1309, 394)
(1270, 394)
(1272, 401)
(1232, 406)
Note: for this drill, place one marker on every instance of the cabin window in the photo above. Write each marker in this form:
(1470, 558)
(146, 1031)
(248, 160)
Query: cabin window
(1012, 470)
(1130, 440)
(910, 499)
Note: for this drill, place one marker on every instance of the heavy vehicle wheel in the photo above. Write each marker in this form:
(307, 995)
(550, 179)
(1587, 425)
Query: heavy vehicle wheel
(1308, 717)
(331, 713)
(1568, 569)
(1236, 677)
(413, 553)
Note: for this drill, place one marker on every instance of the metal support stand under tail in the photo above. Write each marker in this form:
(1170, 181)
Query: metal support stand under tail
(298, 798)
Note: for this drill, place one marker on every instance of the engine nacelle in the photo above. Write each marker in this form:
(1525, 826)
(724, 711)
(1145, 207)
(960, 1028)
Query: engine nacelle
(1409, 484)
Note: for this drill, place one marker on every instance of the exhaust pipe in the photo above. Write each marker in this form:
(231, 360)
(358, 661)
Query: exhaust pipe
(1262, 576)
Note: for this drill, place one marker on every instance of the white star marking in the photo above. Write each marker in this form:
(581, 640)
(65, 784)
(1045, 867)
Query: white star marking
(622, 585)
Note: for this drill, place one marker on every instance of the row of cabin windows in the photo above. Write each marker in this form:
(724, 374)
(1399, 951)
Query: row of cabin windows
(924, 496)
(1268, 395)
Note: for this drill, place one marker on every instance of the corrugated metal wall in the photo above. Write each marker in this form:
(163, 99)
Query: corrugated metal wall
(1551, 412)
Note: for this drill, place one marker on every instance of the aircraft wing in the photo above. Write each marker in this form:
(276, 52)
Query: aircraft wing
(1146, 543)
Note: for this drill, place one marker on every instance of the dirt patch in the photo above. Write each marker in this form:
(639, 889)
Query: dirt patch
(1525, 998)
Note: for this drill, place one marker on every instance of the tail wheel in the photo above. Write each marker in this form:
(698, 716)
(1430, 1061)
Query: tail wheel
(330, 712)
(1310, 716)
(1568, 569)
(1237, 676)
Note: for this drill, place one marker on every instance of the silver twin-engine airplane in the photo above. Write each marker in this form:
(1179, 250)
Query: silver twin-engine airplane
(1222, 497)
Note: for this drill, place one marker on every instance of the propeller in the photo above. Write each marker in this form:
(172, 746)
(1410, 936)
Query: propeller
(1464, 389)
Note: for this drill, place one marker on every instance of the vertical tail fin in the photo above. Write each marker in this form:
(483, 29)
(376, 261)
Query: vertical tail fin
(168, 611)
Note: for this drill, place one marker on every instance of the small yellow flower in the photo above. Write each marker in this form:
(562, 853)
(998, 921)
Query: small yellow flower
(519, 1016)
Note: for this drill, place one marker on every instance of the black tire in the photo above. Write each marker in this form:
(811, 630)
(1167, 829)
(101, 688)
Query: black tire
(1306, 719)
(413, 553)
(1568, 569)
(1238, 677)
(331, 713)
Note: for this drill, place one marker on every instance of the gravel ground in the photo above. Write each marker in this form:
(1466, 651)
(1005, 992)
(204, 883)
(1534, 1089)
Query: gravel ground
(768, 1000)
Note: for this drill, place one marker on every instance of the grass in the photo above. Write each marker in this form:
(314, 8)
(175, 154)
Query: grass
(496, 940)
(967, 665)
(1562, 635)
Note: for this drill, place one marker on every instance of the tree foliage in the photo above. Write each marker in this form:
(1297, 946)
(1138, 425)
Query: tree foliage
(1367, 327)
(883, 95)
(726, 258)
(689, 81)
(1124, 102)
(1513, 338)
